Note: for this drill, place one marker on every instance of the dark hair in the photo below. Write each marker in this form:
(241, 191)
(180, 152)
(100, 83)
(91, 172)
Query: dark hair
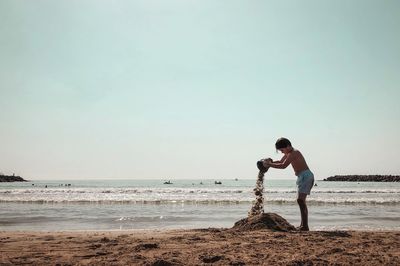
(282, 143)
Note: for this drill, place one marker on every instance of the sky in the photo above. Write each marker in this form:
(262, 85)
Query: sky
(197, 89)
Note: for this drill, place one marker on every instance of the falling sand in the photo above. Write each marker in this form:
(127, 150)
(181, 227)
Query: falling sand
(258, 204)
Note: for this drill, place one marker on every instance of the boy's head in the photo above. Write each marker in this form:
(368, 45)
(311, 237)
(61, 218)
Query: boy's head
(283, 144)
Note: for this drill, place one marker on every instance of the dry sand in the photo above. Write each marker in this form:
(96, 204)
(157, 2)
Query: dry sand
(200, 247)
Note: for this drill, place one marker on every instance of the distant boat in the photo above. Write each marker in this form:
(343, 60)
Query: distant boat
(236, 179)
(167, 183)
(218, 182)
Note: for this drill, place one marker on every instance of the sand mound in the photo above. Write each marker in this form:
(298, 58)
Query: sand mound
(271, 221)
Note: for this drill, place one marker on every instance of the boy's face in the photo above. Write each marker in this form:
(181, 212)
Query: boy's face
(286, 150)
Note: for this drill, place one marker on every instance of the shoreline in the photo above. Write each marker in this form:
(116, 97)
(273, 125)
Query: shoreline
(169, 230)
(220, 246)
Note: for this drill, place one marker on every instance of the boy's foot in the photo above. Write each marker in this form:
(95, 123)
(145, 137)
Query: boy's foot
(303, 228)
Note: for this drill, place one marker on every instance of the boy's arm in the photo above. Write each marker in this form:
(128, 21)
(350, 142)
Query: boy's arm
(283, 163)
(280, 161)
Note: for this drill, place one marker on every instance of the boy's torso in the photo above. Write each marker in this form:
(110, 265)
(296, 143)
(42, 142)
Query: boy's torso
(299, 163)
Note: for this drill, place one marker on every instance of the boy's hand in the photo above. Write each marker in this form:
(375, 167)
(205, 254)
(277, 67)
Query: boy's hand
(263, 165)
(266, 162)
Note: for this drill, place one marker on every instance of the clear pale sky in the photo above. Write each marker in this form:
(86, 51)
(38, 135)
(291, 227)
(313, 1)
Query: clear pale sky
(197, 89)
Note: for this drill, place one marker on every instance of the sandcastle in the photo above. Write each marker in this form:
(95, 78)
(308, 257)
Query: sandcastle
(257, 219)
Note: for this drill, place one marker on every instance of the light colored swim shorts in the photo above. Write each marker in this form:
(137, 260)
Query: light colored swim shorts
(305, 182)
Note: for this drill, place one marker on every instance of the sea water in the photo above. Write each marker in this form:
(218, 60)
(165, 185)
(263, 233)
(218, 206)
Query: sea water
(151, 204)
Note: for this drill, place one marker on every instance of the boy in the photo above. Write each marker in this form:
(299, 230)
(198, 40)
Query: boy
(305, 178)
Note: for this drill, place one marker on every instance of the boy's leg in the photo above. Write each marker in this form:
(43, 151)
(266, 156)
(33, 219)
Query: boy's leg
(301, 200)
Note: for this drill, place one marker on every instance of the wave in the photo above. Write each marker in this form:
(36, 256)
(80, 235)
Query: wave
(212, 201)
(194, 196)
(184, 191)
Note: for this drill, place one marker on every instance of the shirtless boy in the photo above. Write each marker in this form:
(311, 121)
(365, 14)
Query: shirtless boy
(305, 178)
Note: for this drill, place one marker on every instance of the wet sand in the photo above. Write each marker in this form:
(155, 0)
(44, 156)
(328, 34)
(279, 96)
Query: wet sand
(200, 247)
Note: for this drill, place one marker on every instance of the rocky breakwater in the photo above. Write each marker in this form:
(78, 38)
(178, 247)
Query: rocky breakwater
(11, 178)
(364, 178)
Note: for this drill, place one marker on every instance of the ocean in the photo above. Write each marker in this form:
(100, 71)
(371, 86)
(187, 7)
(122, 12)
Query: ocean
(184, 204)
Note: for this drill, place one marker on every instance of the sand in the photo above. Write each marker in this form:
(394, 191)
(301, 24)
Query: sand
(200, 247)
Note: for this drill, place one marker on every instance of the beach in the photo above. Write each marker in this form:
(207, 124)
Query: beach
(189, 222)
(200, 247)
